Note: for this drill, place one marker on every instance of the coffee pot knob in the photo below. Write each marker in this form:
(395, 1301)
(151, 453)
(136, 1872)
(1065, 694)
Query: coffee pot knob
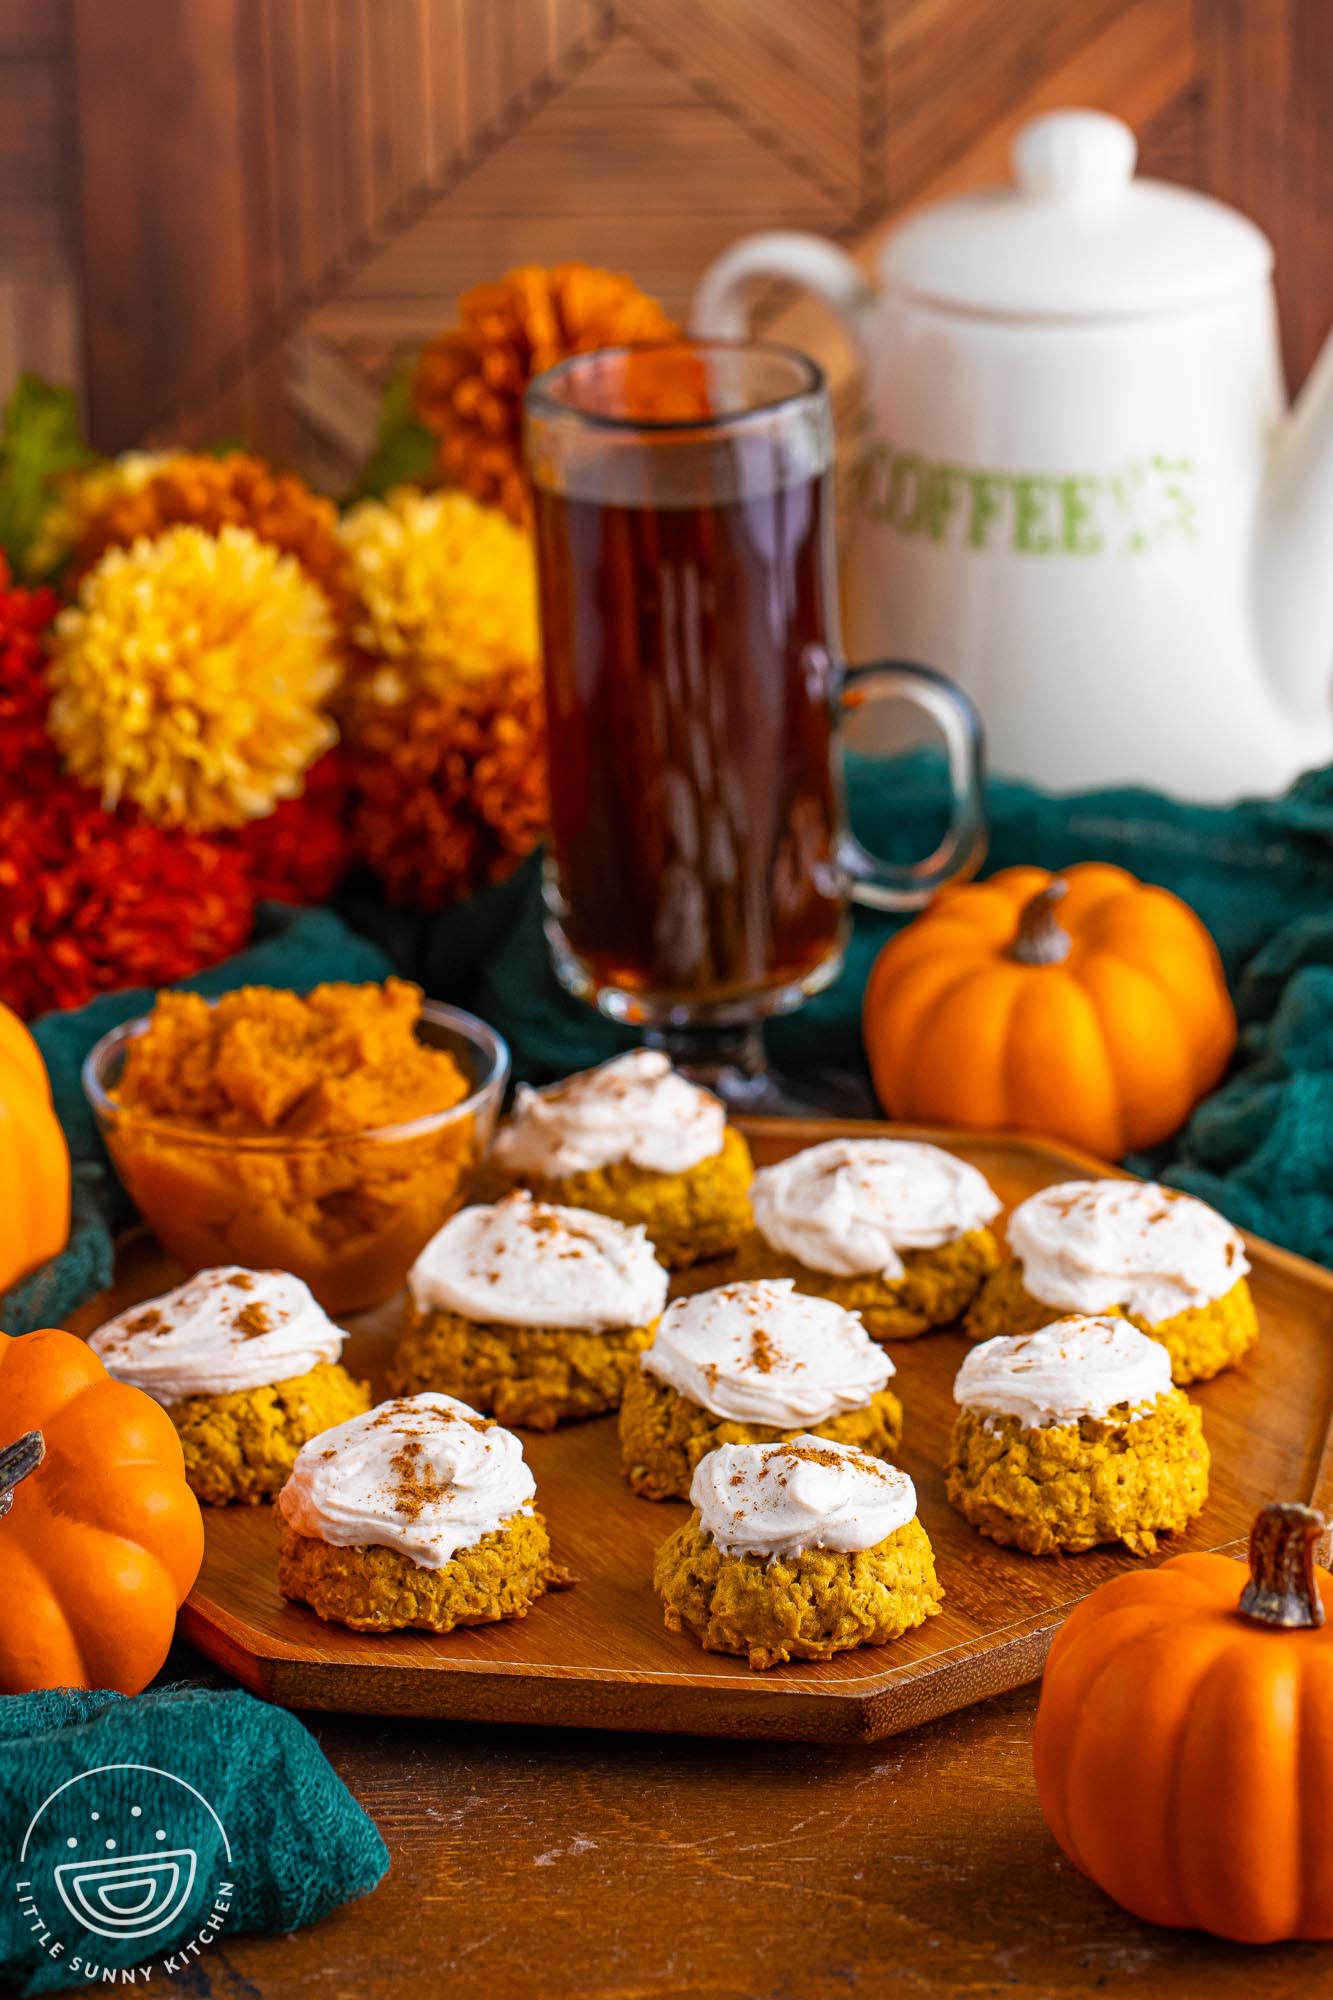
(1074, 156)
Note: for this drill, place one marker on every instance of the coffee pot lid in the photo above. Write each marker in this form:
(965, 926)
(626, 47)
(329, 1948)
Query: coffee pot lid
(1077, 235)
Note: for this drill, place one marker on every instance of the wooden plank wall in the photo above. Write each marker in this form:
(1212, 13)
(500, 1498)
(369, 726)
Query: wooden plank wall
(249, 208)
(39, 311)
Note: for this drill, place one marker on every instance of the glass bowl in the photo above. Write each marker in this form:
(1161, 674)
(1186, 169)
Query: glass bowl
(349, 1213)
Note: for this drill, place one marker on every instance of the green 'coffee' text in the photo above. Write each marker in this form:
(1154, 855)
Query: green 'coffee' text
(1150, 503)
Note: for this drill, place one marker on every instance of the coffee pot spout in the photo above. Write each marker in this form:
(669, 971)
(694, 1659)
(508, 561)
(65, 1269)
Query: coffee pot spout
(1294, 579)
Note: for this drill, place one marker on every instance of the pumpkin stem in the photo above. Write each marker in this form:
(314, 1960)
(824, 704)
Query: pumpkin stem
(1042, 939)
(17, 1460)
(1282, 1591)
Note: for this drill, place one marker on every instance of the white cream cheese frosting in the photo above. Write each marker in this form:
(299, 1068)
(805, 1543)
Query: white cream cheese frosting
(425, 1475)
(222, 1330)
(1077, 1367)
(765, 1353)
(852, 1205)
(1087, 1245)
(634, 1108)
(522, 1262)
(809, 1493)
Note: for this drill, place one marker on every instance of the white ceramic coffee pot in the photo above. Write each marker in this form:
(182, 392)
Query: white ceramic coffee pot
(1078, 491)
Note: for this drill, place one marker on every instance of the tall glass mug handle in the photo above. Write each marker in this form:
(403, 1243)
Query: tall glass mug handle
(889, 885)
(719, 312)
(802, 259)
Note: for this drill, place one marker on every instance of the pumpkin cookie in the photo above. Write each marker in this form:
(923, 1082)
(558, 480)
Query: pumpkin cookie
(796, 1551)
(416, 1514)
(1073, 1436)
(751, 1363)
(1166, 1262)
(536, 1313)
(636, 1141)
(891, 1229)
(246, 1365)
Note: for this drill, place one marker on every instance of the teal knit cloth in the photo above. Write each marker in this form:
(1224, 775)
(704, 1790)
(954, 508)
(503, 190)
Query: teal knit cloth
(207, 1810)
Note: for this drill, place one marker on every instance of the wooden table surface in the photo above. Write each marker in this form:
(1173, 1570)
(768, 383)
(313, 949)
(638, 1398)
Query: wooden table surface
(552, 1864)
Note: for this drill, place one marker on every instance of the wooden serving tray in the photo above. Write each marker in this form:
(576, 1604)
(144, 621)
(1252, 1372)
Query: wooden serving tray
(599, 1655)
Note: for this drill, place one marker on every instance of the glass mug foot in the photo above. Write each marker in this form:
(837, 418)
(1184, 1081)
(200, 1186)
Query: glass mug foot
(723, 1049)
(734, 1065)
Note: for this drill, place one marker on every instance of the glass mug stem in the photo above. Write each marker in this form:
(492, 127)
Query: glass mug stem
(730, 1060)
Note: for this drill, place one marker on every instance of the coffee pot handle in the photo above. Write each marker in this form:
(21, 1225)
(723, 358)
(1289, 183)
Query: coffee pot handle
(888, 885)
(718, 312)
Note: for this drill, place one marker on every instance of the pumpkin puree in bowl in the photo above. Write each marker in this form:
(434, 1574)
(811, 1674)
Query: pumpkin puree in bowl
(265, 1129)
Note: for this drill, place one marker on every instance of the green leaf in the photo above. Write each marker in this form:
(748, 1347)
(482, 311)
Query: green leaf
(42, 441)
(405, 452)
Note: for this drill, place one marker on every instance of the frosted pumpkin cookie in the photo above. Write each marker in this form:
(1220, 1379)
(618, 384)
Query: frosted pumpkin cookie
(796, 1551)
(1170, 1264)
(417, 1513)
(635, 1140)
(534, 1312)
(1073, 1436)
(889, 1228)
(246, 1365)
(751, 1363)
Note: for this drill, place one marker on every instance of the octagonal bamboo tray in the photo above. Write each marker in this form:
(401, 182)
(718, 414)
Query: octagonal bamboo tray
(599, 1656)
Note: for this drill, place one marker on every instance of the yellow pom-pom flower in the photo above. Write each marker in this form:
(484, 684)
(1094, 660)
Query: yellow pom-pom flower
(79, 501)
(445, 592)
(190, 676)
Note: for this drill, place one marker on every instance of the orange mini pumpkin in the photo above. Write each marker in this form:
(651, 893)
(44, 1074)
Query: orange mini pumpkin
(1086, 1006)
(34, 1159)
(1184, 1740)
(100, 1537)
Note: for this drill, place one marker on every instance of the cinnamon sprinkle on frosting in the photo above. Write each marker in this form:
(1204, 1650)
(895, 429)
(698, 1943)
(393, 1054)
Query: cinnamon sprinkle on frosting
(774, 1500)
(220, 1333)
(417, 1484)
(765, 1353)
(425, 1475)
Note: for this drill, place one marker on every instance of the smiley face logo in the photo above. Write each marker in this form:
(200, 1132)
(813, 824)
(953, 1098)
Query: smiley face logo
(129, 1835)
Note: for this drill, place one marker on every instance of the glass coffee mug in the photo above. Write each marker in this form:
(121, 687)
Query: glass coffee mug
(700, 863)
